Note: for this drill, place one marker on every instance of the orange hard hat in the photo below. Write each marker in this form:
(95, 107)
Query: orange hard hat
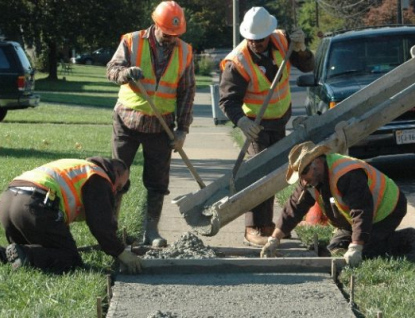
(169, 17)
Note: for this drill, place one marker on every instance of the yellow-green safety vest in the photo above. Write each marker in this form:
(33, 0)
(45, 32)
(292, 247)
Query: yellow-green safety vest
(258, 83)
(163, 94)
(384, 190)
(64, 179)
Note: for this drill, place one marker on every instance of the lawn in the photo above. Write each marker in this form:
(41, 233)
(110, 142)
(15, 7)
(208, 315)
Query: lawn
(74, 121)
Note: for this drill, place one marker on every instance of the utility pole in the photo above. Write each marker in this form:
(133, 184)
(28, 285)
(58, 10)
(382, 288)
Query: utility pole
(317, 23)
(399, 18)
(235, 10)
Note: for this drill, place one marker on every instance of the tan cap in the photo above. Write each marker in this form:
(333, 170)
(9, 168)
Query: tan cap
(300, 156)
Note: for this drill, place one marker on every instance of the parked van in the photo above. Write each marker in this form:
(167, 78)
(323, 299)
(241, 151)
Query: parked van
(17, 79)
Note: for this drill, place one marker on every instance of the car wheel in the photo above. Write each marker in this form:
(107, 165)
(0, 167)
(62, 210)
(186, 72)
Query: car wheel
(88, 62)
(3, 113)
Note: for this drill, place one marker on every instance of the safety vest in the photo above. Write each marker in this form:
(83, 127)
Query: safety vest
(384, 191)
(163, 93)
(64, 179)
(258, 83)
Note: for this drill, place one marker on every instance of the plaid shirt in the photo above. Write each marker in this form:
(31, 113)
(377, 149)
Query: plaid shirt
(135, 120)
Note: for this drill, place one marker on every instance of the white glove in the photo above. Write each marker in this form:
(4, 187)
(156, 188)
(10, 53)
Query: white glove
(134, 73)
(298, 40)
(249, 127)
(353, 256)
(270, 249)
(130, 263)
(179, 138)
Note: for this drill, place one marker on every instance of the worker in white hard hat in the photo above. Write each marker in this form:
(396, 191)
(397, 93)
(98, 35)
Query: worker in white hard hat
(248, 72)
(163, 63)
(362, 203)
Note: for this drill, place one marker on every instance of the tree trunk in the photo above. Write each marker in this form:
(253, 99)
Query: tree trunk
(53, 63)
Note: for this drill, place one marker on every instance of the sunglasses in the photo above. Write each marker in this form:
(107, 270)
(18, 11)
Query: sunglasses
(257, 41)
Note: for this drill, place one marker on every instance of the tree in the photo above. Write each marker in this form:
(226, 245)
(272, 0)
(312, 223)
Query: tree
(387, 13)
(53, 26)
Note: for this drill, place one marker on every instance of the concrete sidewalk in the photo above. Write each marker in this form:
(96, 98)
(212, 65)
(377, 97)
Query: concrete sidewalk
(212, 152)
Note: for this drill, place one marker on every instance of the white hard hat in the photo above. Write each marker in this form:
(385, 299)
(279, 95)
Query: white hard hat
(413, 51)
(257, 24)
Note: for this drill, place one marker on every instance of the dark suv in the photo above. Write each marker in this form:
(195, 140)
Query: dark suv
(17, 80)
(346, 62)
(99, 57)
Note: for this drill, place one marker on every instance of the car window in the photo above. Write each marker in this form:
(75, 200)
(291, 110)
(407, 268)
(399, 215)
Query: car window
(320, 54)
(376, 54)
(4, 62)
(23, 58)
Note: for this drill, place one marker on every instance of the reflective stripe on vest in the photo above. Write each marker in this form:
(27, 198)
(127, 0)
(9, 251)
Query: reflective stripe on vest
(384, 191)
(66, 178)
(258, 83)
(163, 93)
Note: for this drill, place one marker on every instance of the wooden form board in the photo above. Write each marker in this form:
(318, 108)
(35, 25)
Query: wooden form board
(242, 265)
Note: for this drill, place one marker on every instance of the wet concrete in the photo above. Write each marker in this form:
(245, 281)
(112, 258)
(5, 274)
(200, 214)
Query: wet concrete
(229, 295)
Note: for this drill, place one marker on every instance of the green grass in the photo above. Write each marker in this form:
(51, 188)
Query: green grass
(73, 120)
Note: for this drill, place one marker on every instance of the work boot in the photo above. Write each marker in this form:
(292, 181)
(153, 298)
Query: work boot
(3, 257)
(154, 208)
(254, 237)
(16, 256)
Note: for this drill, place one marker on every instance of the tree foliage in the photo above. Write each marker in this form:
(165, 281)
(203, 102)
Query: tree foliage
(52, 28)
(386, 13)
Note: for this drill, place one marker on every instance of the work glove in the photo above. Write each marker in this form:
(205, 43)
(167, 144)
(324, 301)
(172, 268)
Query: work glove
(134, 73)
(353, 256)
(178, 141)
(270, 249)
(130, 263)
(249, 127)
(298, 40)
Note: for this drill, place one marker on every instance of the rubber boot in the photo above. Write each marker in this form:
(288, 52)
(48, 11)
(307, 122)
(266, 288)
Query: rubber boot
(154, 208)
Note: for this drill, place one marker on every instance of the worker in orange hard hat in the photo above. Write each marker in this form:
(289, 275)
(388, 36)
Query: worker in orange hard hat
(163, 64)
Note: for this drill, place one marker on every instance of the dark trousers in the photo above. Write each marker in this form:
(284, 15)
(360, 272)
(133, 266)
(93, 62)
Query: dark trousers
(40, 231)
(382, 237)
(263, 213)
(156, 154)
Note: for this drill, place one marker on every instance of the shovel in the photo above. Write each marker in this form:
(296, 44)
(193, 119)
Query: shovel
(170, 134)
(259, 118)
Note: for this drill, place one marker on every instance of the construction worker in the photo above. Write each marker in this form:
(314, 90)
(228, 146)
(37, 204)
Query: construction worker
(363, 204)
(164, 65)
(38, 206)
(248, 72)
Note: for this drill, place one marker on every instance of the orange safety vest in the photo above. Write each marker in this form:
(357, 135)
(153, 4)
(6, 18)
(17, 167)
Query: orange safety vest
(162, 93)
(384, 191)
(64, 179)
(258, 83)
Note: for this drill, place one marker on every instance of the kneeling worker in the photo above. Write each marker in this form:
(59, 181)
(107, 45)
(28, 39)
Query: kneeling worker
(362, 203)
(39, 205)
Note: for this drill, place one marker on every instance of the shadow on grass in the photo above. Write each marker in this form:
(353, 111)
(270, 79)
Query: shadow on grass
(79, 99)
(74, 86)
(47, 155)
